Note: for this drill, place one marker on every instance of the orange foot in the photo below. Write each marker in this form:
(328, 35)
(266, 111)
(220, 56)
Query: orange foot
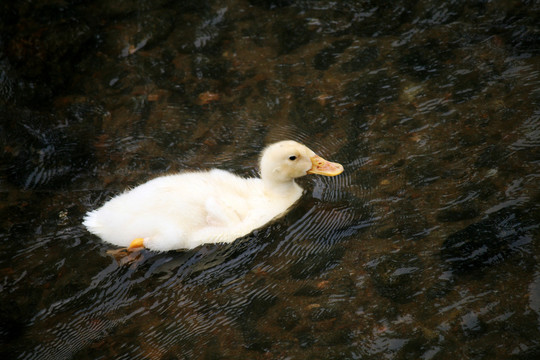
(135, 244)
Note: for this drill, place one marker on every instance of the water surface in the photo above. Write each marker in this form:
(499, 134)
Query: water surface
(426, 247)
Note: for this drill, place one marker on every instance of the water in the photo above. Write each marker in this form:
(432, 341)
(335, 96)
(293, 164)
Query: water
(426, 247)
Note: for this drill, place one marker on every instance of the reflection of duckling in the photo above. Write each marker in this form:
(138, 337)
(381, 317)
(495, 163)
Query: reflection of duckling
(186, 210)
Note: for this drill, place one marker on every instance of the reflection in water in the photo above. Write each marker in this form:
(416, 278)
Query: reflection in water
(423, 248)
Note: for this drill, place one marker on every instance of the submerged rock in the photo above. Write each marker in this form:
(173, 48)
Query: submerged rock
(39, 155)
(373, 89)
(424, 61)
(363, 58)
(256, 309)
(291, 36)
(315, 264)
(396, 276)
(323, 313)
(308, 291)
(457, 214)
(271, 4)
(492, 157)
(328, 56)
(288, 318)
(488, 241)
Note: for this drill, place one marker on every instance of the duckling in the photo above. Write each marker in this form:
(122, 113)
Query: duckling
(185, 210)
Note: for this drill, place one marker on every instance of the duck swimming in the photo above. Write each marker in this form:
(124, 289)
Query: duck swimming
(185, 210)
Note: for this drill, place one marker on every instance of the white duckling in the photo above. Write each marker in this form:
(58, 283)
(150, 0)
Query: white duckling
(185, 210)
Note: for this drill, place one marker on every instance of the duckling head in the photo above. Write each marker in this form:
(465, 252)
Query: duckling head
(285, 161)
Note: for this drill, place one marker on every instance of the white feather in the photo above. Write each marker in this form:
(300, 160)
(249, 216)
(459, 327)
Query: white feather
(188, 209)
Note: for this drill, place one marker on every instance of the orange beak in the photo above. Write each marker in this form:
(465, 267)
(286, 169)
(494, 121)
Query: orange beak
(324, 167)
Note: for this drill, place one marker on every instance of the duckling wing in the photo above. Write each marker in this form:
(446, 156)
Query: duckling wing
(220, 214)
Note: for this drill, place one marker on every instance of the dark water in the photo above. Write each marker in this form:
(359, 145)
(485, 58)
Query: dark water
(427, 247)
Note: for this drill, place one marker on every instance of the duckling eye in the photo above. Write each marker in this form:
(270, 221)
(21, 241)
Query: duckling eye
(292, 157)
